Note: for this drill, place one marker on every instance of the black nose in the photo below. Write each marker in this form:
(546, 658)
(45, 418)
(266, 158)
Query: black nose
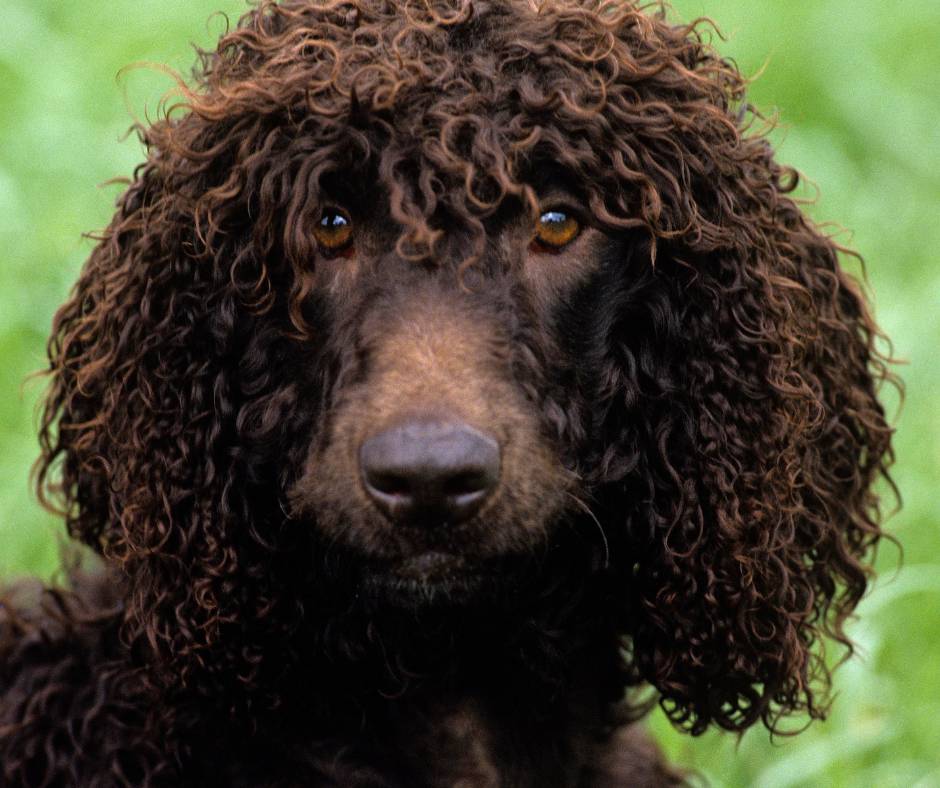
(429, 472)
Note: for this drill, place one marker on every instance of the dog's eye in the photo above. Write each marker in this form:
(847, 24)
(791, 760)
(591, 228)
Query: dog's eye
(555, 229)
(334, 231)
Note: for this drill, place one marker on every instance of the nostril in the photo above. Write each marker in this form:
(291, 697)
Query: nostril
(466, 483)
(389, 483)
(429, 471)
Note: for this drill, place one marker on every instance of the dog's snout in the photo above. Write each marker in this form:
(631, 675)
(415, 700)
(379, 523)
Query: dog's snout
(429, 472)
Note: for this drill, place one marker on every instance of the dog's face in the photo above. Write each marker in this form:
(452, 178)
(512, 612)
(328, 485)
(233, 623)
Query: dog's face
(440, 455)
(438, 285)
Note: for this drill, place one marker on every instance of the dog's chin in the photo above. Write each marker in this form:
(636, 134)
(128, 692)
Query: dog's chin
(431, 578)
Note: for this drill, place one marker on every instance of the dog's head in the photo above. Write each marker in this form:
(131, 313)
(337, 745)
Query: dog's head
(458, 291)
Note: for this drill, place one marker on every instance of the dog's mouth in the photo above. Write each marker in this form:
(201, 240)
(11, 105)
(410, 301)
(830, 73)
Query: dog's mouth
(431, 577)
(432, 565)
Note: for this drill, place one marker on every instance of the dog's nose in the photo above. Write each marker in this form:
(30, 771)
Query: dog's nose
(429, 472)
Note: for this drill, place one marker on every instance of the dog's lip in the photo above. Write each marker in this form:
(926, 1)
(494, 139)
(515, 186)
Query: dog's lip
(420, 579)
(428, 569)
(429, 565)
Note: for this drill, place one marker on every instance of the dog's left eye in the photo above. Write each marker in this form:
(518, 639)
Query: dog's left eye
(555, 229)
(334, 231)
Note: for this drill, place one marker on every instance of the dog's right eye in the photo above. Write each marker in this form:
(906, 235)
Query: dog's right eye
(334, 232)
(554, 230)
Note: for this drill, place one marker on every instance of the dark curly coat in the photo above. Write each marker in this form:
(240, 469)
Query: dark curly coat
(448, 373)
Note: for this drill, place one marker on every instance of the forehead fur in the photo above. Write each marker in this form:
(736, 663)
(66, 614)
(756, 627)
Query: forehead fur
(450, 109)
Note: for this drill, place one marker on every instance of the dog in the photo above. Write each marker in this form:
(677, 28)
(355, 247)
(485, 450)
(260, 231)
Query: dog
(455, 380)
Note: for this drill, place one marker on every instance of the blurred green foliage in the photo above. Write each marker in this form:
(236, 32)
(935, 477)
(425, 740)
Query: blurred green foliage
(855, 87)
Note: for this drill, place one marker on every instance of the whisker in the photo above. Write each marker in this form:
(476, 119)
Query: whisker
(587, 510)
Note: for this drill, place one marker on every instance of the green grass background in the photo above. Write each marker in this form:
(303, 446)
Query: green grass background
(856, 87)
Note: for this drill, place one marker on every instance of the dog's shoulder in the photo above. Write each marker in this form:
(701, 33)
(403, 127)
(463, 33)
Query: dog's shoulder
(53, 633)
(69, 711)
(630, 757)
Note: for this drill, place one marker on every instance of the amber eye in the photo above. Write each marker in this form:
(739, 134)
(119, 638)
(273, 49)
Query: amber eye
(334, 231)
(555, 229)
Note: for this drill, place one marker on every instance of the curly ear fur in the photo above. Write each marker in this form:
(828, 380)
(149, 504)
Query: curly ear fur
(736, 400)
(749, 436)
(169, 406)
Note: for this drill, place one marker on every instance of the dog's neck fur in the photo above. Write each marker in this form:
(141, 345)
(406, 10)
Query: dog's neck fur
(518, 695)
(480, 701)
(496, 694)
(444, 734)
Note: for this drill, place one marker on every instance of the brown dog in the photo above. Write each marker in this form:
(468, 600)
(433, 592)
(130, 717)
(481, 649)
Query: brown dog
(447, 372)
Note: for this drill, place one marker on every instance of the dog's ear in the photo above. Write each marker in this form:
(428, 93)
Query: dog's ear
(163, 427)
(745, 438)
(736, 407)
(174, 416)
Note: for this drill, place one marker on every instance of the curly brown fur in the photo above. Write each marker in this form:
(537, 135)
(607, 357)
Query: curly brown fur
(683, 396)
